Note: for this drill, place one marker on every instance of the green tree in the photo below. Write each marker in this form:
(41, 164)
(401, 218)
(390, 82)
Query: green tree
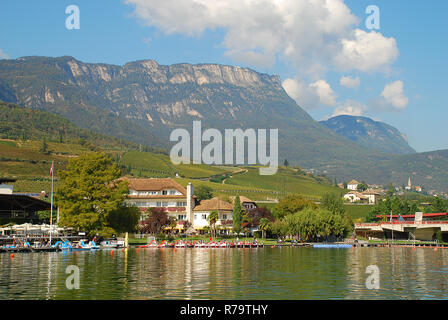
(290, 205)
(203, 192)
(44, 146)
(264, 225)
(237, 218)
(333, 203)
(212, 218)
(362, 187)
(124, 219)
(88, 192)
(390, 190)
(309, 223)
(280, 228)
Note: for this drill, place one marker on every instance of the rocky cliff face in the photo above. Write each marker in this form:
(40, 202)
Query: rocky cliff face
(369, 133)
(143, 101)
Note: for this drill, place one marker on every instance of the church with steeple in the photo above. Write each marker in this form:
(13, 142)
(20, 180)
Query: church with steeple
(409, 186)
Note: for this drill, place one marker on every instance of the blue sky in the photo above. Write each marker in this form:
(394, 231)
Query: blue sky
(400, 77)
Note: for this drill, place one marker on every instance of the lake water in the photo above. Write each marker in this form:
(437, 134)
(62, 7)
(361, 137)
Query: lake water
(263, 273)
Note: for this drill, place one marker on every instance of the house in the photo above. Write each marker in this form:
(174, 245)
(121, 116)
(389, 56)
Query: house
(369, 196)
(372, 196)
(352, 185)
(164, 193)
(354, 196)
(246, 203)
(205, 207)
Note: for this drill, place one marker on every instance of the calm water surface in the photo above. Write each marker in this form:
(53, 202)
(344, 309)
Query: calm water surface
(263, 273)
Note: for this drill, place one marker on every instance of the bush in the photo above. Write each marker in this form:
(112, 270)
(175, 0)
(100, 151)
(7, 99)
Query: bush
(257, 234)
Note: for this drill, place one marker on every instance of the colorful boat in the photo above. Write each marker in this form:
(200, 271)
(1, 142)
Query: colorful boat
(109, 244)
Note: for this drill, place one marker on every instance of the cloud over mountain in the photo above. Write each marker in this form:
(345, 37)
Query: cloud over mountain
(312, 35)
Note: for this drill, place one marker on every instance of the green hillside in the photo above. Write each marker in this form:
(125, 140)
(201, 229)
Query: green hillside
(147, 164)
(24, 132)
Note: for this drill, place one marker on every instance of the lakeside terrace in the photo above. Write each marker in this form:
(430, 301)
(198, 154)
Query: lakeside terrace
(417, 227)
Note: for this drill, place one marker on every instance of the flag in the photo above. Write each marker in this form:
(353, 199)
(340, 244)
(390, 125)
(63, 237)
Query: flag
(391, 216)
(51, 170)
(400, 218)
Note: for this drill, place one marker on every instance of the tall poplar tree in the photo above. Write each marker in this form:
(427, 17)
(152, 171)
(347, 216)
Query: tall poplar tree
(237, 215)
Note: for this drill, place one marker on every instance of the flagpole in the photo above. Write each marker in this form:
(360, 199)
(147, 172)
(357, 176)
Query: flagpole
(51, 211)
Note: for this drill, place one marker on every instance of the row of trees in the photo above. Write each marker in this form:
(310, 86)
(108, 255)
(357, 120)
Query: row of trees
(303, 219)
(309, 223)
(397, 205)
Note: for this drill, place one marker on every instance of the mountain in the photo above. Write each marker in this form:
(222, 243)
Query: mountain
(20, 123)
(143, 101)
(369, 133)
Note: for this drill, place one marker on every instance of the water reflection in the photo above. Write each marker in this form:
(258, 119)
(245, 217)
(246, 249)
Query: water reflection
(405, 273)
(268, 273)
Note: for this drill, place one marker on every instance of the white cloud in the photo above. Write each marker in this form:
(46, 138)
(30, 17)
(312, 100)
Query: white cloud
(350, 82)
(324, 92)
(350, 107)
(311, 35)
(3, 55)
(310, 96)
(367, 51)
(394, 96)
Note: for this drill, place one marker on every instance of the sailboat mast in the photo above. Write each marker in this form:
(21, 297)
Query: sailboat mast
(51, 210)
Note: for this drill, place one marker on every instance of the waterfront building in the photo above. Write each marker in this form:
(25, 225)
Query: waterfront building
(164, 193)
(420, 225)
(203, 210)
(19, 207)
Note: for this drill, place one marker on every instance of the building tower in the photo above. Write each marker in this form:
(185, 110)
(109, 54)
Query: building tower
(409, 186)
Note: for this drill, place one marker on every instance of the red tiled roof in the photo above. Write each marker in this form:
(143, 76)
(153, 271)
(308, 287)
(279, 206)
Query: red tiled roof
(214, 204)
(154, 184)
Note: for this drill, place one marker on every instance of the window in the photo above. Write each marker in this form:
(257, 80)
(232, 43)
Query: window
(159, 204)
(224, 217)
(172, 192)
(164, 192)
(181, 217)
(195, 217)
(204, 217)
(181, 204)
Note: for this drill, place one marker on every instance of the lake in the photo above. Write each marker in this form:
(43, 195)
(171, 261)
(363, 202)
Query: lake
(262, 273)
